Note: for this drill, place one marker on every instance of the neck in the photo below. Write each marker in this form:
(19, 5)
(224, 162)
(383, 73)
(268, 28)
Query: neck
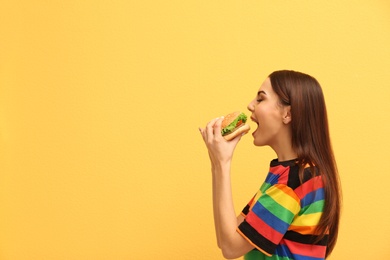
(284, 150)
(286, 156)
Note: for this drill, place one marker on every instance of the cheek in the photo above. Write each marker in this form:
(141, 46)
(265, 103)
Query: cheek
(263, 115)
(269, 122)
(260, 112)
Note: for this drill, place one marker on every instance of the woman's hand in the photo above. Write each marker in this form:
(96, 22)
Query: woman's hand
(220, 150)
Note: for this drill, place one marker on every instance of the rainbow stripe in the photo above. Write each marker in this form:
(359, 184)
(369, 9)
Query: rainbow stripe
(281, 219)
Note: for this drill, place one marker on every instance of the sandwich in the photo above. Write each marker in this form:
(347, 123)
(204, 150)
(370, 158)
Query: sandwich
(234, 125)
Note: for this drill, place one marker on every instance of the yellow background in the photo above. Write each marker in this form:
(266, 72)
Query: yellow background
(100, 104)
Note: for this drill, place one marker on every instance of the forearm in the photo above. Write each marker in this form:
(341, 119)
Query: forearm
(217, 209)
(224, 213)
(215, 212)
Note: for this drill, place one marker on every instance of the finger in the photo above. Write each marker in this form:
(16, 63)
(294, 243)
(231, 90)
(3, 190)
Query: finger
(210, 129)
(212, 122)
(218, 126)
(201, 131)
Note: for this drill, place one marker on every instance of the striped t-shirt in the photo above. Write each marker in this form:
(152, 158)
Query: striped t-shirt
(281, 219)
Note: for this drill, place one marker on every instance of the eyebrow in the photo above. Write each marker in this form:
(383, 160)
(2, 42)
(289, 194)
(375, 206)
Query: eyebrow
(261, 92)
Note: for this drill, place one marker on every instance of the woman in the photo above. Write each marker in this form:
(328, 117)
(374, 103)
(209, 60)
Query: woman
(295, 214)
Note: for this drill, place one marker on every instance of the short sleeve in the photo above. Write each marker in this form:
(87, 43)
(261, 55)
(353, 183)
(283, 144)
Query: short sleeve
(268, 217)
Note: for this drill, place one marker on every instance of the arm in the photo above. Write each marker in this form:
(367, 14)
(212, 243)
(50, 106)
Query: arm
(232, 244)
(216, 223)
(240, 218)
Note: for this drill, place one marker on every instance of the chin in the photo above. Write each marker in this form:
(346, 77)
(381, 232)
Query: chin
(259, 141)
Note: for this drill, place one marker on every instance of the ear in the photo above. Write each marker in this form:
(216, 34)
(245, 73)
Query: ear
(287, 115)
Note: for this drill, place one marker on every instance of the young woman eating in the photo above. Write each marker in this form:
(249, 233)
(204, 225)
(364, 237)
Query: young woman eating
(295, 213)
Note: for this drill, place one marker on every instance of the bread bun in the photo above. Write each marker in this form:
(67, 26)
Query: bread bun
(243, 129)
(228, 119)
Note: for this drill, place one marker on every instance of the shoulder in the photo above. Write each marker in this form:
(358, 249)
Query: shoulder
(290, 173)
(297, 175)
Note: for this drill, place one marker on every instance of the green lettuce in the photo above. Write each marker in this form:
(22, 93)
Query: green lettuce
(232, 126)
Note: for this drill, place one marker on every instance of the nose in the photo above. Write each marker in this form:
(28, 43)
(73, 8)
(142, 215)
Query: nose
(251, 106)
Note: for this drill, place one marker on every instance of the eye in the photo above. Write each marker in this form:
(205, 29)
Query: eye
(260, 96)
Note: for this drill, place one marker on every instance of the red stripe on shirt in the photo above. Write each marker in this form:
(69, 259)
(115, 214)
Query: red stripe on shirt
(305, 249)
(263, 228)
(279, 169)
(309, 186)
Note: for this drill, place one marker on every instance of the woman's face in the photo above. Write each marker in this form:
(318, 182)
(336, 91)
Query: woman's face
(269, 115)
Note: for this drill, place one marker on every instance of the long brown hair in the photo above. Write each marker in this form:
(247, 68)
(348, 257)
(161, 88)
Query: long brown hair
(311, 141)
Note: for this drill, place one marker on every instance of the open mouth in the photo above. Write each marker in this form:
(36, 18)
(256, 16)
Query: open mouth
(255, 121)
